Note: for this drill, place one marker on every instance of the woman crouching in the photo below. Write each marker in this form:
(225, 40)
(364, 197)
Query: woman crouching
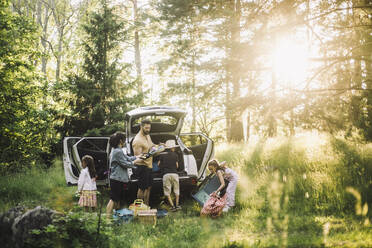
(225, 173)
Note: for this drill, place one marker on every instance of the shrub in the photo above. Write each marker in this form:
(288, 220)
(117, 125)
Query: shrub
(76, 229)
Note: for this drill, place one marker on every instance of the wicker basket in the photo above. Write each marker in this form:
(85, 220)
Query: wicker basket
(147, 216)
(138, 205)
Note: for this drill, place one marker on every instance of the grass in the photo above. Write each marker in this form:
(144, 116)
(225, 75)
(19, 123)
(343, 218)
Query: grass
(37, 187)
(306, 191)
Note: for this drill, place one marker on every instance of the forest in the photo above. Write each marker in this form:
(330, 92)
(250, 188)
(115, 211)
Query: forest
(283, 84)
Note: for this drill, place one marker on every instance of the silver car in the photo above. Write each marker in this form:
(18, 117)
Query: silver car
(194, 151)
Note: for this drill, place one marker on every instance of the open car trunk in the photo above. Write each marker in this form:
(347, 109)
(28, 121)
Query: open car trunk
(162, 138)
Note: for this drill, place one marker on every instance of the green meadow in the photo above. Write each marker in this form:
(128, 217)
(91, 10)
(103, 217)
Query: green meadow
(312, 190)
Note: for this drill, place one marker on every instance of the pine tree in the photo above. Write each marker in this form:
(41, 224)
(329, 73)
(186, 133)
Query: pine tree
(101, 96)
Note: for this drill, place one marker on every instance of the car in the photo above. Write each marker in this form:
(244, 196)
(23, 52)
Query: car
(194, 151)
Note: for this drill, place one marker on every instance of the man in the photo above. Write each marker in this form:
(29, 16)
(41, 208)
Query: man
(142, 144)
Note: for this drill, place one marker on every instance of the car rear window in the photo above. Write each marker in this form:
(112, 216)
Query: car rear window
(159, 123)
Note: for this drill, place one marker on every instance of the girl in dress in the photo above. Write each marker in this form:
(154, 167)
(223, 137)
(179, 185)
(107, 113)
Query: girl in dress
(225, 173)
(87, 184)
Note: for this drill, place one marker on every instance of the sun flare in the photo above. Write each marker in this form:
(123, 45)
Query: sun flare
(290, 62)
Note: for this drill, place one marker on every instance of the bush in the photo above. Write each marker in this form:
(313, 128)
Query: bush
(76, 229)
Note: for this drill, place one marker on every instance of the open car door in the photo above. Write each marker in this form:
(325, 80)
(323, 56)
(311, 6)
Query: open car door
(70, 165)
(97, 147)
(202, 148)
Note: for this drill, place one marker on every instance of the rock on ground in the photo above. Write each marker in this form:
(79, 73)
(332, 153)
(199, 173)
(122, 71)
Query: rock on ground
(16, 224)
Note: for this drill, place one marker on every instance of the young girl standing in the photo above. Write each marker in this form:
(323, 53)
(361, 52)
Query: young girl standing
(87, 184)
(225, 173)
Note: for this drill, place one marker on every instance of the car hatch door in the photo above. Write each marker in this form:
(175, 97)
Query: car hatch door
(69, 163)
(98, 148)
(202, 148)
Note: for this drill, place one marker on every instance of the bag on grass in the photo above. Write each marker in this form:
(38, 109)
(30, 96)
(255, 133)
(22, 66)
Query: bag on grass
(213, 206)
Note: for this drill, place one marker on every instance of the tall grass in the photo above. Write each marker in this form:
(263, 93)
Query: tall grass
(286, 182)
(313, 171)
(312, 190)
(36, 186)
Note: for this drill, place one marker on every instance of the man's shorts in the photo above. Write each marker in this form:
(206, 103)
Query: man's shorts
(144, 177)
(170, 181)
(116, 190)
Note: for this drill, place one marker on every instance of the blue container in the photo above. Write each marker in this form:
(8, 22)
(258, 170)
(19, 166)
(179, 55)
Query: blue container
(123, 216)
(161, 213)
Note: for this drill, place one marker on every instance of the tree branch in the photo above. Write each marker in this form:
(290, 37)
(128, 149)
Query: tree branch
(332, 89)
(50, 45)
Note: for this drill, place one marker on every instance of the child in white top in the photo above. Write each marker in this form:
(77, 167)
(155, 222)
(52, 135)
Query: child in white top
(87, 184)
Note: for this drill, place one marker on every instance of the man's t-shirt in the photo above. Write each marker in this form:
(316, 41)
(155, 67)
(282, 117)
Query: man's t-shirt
(168, 162)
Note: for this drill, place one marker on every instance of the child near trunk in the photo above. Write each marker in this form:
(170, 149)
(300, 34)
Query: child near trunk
(168, 164)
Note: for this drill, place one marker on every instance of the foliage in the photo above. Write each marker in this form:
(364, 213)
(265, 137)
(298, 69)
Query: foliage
(215, 58)
(344, 67)
(101, 94)
(76, 229)
(23, 123)
(182, 29)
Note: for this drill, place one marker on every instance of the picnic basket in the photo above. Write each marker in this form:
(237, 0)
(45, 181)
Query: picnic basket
(147, 216)
(138, 205)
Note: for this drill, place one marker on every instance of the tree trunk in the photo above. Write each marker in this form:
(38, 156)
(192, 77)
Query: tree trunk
(137, 48)
(227, 106)
(291, 124)
(236, 127)
(44, 38)
(193, 92)
(59, 53)
(248, 126)
(272, 126)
